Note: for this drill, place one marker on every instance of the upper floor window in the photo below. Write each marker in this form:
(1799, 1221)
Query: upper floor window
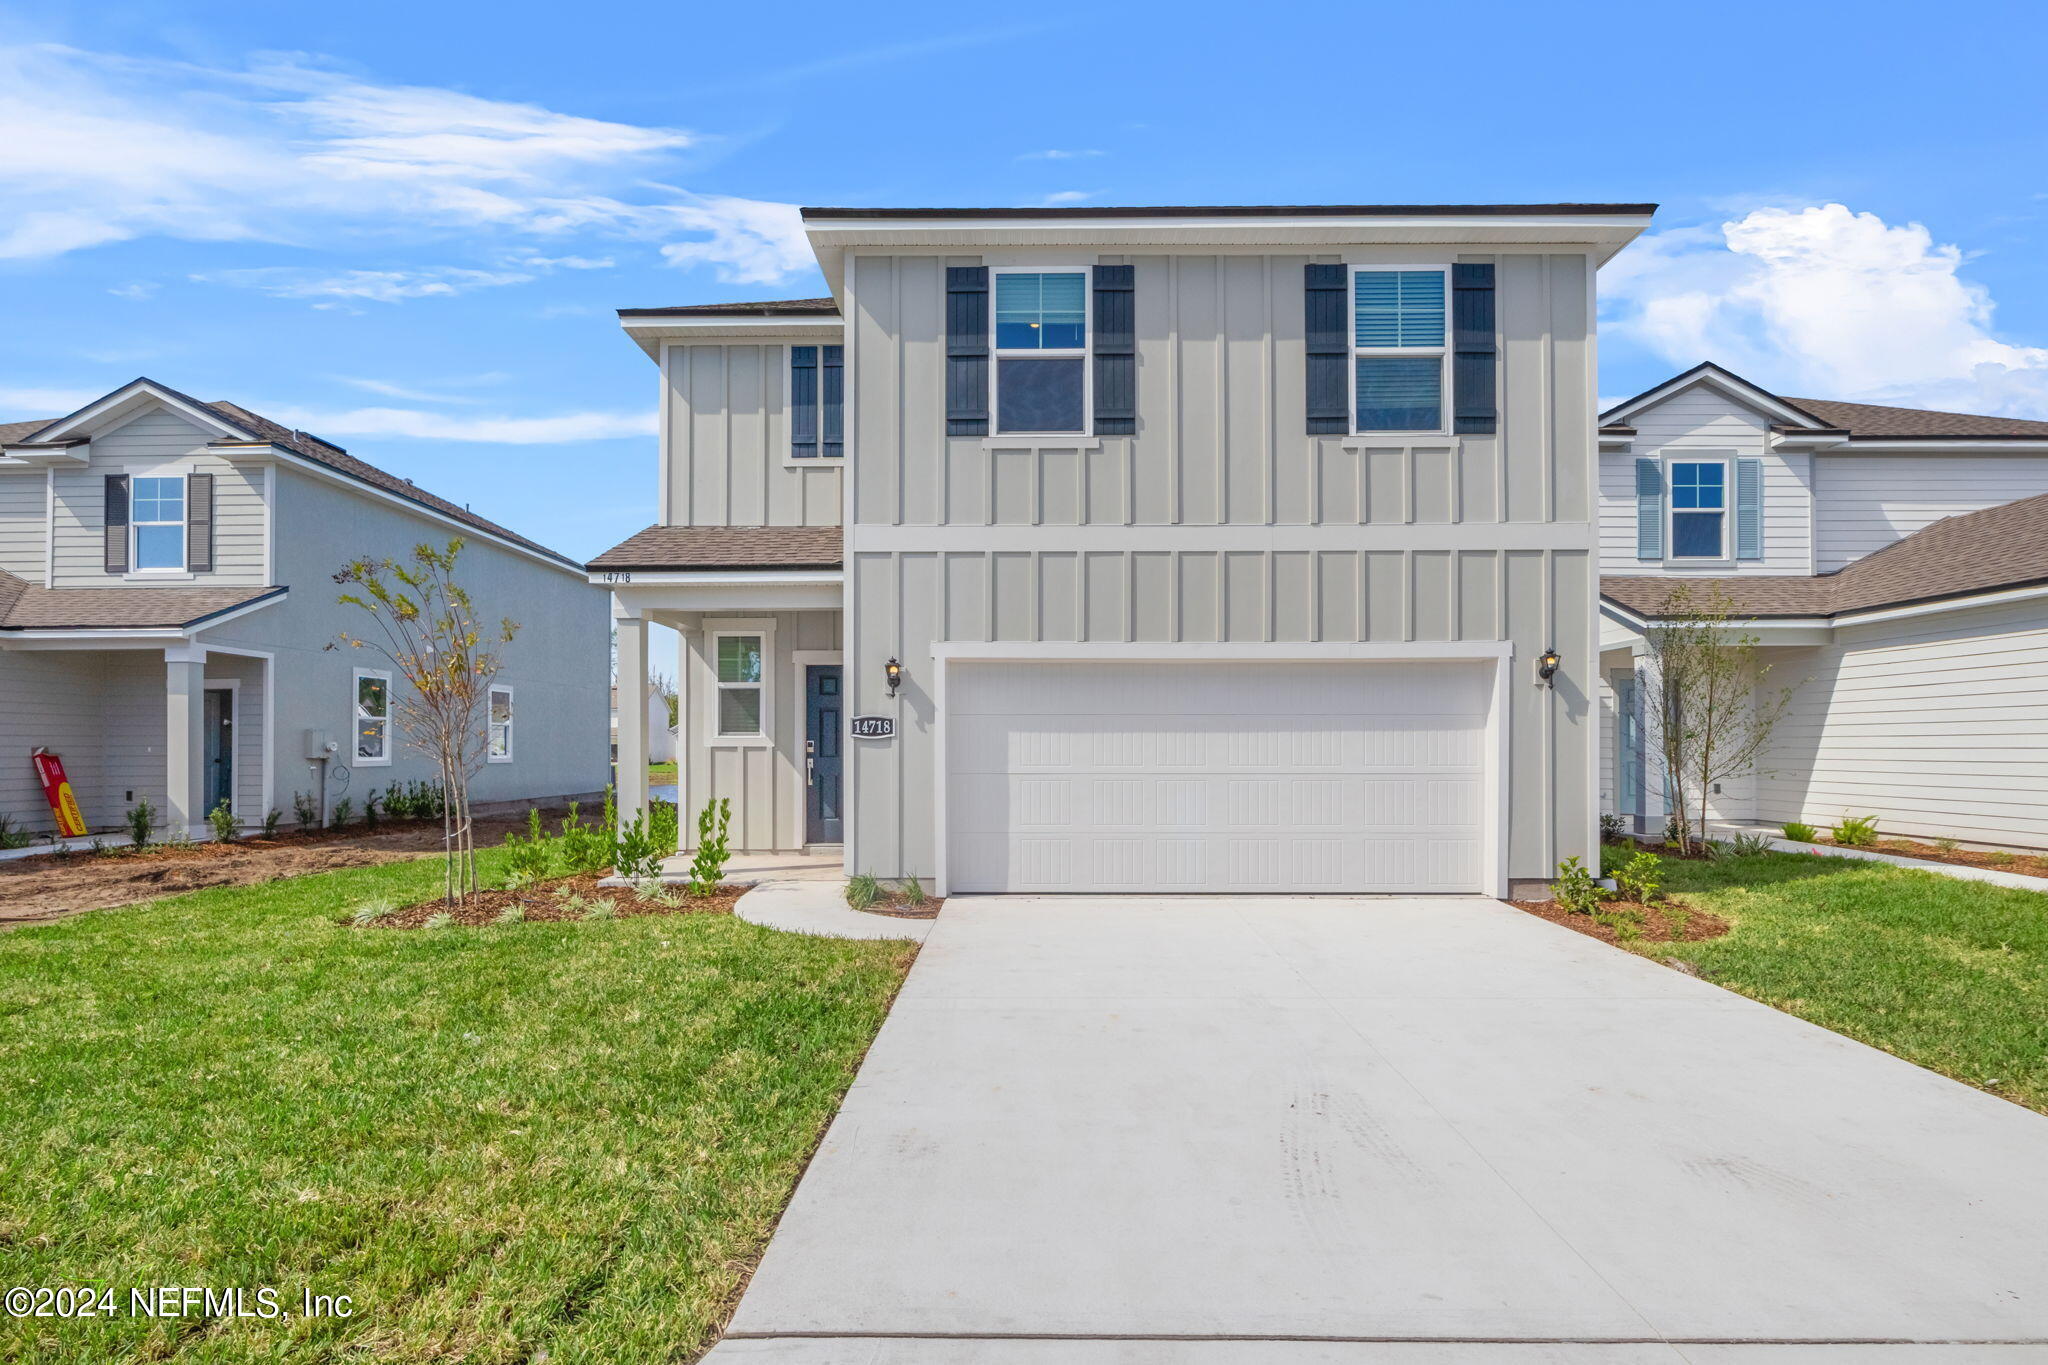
(1699, 509)
(1399, 356)
(817, 402)
(1041, 336)
(157, 513)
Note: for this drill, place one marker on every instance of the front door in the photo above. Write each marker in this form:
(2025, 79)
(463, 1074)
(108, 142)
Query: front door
(822, 822)
(1628, 720)
(220, 747)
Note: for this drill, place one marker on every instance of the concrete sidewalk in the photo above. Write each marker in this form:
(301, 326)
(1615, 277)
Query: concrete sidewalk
(1302, 1132)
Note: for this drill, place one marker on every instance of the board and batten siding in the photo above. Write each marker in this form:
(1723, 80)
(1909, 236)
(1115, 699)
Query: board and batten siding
(727, 443)
(1703, 420)
(1869, 501)
(24, 523)
(159, 442)
(1937, 725)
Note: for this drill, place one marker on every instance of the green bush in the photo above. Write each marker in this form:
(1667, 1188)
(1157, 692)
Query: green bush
(574, 846)
(1640, 877)
(222, 819)
(862, 890)
(1856, 831)
(1574, 888)
(270, 822)
(370, 810)
(305, 810)
(1613, 826)
(141, 822)
(714, 822)
(1800, 833)
(10, 837)
(1749, 845)
(343, 812)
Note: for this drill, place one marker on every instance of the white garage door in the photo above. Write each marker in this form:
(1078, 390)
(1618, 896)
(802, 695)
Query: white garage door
(1216, 777)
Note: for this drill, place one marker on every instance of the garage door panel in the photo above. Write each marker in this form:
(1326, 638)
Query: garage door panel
(1197, 777)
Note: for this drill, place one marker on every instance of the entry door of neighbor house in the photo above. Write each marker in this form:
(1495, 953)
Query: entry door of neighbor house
(220, 747)
(822, 821)
(1628, 724)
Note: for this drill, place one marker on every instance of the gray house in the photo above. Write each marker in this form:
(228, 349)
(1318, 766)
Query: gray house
(167, 603)
(1141, 549)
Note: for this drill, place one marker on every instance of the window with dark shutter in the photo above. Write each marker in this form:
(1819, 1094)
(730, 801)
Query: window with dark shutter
(1116, 351)
(1042, 352)
(1326, 332)
(967, 350)
(1474, 350)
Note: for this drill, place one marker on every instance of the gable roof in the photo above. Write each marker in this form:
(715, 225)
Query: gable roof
(12, 433)
(1614, 421)
(29, 606)
(768, 308)
(259, 430)
(727, 547)
(1828, 416)
(1998, 548)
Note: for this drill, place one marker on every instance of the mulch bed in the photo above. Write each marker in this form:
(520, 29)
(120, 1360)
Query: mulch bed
(898, 908)
(1656, 921)
(548, 901)
(2026, 864)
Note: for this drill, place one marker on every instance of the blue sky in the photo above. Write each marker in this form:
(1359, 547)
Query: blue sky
(404, 227)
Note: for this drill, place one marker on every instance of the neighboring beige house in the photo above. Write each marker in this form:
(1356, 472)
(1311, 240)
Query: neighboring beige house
(1141, 549)
(1893, 563)
(168, 619)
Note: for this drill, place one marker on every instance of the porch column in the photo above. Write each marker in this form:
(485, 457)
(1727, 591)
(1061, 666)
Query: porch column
(632, 775)
(184, 742)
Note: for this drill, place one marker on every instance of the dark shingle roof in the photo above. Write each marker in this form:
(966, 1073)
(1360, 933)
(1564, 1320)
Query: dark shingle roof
(770, 308)
(726, 547)
(25, 606)
(10, 432)
(260, 428)
(2000, 547)
(1872, 419)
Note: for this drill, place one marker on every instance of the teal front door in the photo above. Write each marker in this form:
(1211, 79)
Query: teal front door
(1628, 726)
(220, 747)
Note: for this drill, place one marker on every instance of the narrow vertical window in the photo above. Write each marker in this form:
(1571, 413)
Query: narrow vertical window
(372, 714)
(157, 513)
(1397, 338)
(500, 750)
(1041, 336)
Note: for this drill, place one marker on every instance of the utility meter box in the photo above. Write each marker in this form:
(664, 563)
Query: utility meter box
(320, 745)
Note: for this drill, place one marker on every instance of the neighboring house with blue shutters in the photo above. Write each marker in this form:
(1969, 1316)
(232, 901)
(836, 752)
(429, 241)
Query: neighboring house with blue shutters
(1893, 562)
(168, 621)
(1140, 549)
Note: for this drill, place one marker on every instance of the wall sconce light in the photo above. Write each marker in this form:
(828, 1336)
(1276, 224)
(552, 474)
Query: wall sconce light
(1546, 667)
(893, 671)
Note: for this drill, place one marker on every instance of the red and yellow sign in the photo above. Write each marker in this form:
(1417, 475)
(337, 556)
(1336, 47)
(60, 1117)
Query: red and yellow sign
(57, 788)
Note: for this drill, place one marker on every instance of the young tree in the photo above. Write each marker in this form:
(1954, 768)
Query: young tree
(1708, 702)
(434, 641)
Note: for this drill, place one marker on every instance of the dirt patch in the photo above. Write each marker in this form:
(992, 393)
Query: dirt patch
(36, 890)
(2026, 864)
(1663, 922)
(569, 898)
(896, 907)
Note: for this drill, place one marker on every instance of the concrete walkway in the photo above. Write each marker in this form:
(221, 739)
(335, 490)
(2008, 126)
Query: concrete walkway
(820, 908)
(1319, 1132)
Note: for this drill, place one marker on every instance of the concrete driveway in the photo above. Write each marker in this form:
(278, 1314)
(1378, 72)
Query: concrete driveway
(1313, 1132)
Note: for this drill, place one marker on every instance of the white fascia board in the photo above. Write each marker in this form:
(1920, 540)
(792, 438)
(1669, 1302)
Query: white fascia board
(103, 407)
(719, 578)
(1987, 599)
(1943, 446)
(1814, 443)
(1732, 386)
(649, 333)
(1635, 621)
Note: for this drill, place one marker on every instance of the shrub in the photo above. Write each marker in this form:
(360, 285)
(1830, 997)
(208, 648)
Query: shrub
(222, 819)
(344, 811)
(601, 909)
(665, 825)
(1574, 888)
(511, 914)
(1946, 844)
(913, 892)
(270, 822)
(1999, 857)
(1856, 831)
(141, 822)
(714, 822)
(440, 919)
(305, 810)
(532, 858)
(1640, 877)
(10, 837)
(1613, 826)
(1749, 845)
(634, 851)
(369, 912)
(1800, 833)
(370, 809)
(862, 890)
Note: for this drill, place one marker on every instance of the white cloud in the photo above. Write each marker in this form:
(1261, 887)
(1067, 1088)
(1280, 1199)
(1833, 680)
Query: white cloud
(411, 395)
(20, 405)
(1058, 197)
(1823, 302)
(1055, 154)
(102, 149)
(413, 424)
(375, 286)
(136, 290)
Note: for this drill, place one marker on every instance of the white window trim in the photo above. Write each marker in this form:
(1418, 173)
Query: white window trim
(1085, 353)
(355, 692)
(713, 633)
(1672, 509)
(1443, 398)
(821, 460)
(511, 723)
(183, 568)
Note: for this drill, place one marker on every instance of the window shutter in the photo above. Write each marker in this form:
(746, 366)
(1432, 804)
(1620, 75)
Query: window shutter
(832, 404)
(1326, 334)
(1649, 510)
(116, 522)
(199, 523)
(1473, 351)
(967, 350)
(1116, 351)
(1749, 509)
(803, 402)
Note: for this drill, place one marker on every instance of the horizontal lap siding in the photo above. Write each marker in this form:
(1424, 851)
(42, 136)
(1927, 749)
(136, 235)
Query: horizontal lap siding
(158, 442)
(24, 519)
(1869, 501)
(1939, 726)
(54, 700)
(728, 442)
(1703, 419)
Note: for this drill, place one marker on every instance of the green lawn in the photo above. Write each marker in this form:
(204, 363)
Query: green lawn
(1948, 973)
(570, 1138)
(659, 774)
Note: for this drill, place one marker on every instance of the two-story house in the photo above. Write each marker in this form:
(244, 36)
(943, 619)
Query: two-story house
(1141, 549)
(1892, 564)
(168, 621)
